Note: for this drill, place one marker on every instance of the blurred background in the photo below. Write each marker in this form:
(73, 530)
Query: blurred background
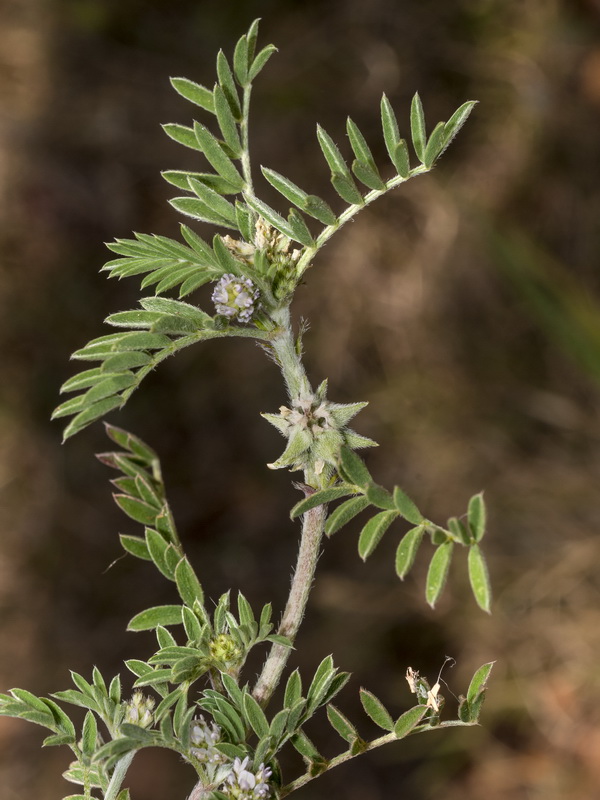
(465, 308)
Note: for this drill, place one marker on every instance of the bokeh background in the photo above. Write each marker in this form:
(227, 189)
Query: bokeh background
(465, 308)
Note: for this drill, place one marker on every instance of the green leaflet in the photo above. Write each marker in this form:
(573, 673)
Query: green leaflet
(91, 414)
(368, 175)
(214, 201)
(137, 509)
(152, 617)
(272, 217)
(375, 709)
(477, 516)
(260, 61)
(241, 61)
(341, 724)
(332, 154)
(406, 507)
(201, 211)
(407, 550)
(359, 144)
(479, 578)
(438, 572)
(216, 156)
(182, 135)
(300, 230)
(344, 513)
(479, 681)
(255, 716)
(227, 84)
(417, 127)
(180, 179)
(227, 122)
(195, 93)
(380, 497)
(319, 498)
(373, 531)
(353, 468)
(311, 204)
(293, 689)
(406, 723)
(435, 145)
(188, 584)
(457, 120)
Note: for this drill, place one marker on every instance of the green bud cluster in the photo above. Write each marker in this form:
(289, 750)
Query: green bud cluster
(225, 651)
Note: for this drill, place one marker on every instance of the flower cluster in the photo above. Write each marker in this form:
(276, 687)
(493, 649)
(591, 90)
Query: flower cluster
(235, 297)
(242, 784)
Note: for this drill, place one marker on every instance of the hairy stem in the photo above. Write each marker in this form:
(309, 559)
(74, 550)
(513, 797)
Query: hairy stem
(297, 383)
(114, 787)
(288, 357)
(312, 531)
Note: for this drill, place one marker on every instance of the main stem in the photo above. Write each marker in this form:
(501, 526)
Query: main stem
(297, 383)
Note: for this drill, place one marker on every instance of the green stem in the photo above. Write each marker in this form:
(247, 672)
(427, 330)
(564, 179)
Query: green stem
(326, 234)
(114, 787)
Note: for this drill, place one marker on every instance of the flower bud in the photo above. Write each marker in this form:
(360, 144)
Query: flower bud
(224, 649)
(138, 711)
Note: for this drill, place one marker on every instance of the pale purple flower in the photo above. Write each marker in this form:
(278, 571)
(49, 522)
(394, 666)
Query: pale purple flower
(235, 297)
